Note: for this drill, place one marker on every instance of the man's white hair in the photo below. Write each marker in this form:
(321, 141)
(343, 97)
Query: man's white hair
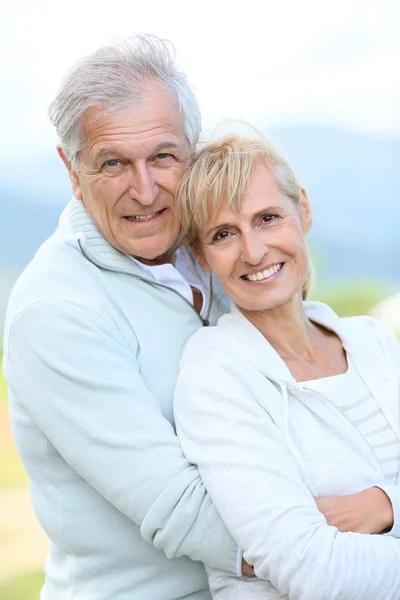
(114, 77)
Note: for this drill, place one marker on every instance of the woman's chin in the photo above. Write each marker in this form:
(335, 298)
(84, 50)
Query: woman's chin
(253, 302)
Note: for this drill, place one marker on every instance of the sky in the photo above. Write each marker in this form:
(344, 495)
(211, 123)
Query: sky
(276, 63)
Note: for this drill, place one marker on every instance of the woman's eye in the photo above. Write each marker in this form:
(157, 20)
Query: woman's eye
(221, 235)
(268, 218)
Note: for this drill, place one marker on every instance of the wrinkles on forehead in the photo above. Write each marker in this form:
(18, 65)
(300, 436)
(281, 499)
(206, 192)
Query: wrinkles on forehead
(150, 122)
(118, 138)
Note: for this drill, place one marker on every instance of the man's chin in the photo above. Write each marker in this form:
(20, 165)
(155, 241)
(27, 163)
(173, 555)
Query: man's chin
(157, 255)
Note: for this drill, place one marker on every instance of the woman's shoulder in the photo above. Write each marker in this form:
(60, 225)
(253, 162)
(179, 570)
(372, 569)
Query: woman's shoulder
(233, 335)
(363, 333)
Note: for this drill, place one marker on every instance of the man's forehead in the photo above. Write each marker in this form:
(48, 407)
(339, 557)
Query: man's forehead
(155, 147)
(106, 132)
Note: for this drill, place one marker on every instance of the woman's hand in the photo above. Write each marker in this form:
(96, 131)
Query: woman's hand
(369, 511)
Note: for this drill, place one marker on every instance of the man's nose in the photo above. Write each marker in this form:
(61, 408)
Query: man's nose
(253, 249)
(143, 187)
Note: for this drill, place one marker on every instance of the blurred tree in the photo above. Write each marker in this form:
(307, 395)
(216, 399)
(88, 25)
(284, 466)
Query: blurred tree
(350, 298)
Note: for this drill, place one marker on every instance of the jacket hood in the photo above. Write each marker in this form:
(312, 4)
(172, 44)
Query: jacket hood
(352, 331)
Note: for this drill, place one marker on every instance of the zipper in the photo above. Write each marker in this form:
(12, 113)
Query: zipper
(205, 322)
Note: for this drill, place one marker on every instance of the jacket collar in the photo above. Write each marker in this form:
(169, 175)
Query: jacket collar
(77, 229)
(351, 331)
(360, 340)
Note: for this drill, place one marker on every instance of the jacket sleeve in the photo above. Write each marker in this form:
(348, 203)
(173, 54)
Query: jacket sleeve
(393, 493)
(79, 382)
(391, 346)
(259, 492)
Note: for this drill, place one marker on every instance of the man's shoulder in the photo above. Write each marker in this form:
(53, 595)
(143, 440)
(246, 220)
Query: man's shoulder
(46, 274)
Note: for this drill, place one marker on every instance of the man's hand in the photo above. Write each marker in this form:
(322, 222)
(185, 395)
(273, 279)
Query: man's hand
(246, 568)
(369, 511)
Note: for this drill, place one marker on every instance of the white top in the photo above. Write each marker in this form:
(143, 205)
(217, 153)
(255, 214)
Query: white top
(265, 445)
(351, 396)
(181, 276)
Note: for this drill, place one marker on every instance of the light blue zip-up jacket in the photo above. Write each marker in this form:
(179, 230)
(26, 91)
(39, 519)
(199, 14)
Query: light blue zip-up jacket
(91, 355)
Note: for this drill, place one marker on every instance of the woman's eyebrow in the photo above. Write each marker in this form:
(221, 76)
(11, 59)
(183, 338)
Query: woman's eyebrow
(265, 211)
(217, 227)
(253, 217)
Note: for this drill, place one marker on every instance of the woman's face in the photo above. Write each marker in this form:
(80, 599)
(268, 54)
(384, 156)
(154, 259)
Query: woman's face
(259, 255)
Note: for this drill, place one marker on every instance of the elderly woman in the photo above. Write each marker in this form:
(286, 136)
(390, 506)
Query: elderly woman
(283, 405)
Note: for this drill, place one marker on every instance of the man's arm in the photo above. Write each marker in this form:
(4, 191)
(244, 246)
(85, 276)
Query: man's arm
(77, 379)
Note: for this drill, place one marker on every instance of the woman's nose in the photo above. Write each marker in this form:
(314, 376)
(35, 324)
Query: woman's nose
(253, 249)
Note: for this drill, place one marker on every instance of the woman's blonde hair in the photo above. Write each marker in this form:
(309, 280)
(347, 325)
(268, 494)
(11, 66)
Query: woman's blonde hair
(221, 172)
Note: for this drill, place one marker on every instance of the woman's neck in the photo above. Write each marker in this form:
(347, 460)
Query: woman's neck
(287, 328)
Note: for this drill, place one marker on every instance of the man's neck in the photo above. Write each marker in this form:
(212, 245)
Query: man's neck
(166, 258)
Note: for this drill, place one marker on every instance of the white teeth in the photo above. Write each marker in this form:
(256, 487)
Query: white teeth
(264, 274)
(143, 217)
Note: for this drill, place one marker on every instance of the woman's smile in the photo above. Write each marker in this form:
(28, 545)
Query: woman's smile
(258, 253)
(264, 275)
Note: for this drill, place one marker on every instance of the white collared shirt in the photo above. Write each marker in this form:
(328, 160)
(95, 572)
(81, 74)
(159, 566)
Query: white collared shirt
(181, 276)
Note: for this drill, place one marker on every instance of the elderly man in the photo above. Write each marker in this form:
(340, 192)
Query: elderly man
(94, 334)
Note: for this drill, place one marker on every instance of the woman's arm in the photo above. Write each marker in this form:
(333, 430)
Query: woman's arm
(258, 489)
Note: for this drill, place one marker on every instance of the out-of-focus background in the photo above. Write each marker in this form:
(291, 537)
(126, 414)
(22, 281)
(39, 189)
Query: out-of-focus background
(320, 78)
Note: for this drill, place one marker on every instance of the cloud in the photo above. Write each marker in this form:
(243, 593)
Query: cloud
(286, 62)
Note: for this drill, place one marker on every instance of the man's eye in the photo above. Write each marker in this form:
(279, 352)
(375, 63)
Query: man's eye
(113, 162)
(163, 155)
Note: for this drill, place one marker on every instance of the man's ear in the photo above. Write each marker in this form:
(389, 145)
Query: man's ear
(305, 211)
(199, 254)
(73, 176)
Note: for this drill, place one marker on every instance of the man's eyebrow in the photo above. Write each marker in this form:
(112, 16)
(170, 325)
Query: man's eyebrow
(166, 145)
(106, 151)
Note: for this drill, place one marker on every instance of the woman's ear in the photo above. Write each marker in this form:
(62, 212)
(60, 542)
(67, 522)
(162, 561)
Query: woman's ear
(305, 211)
(199, 254)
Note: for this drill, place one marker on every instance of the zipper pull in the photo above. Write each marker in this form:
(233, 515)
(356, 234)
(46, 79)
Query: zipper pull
(206, 322)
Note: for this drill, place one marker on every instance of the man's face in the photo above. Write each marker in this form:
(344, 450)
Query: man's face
(129, 171)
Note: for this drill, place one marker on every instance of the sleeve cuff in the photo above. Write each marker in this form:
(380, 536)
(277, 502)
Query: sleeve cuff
(393, 493)
(239, 558)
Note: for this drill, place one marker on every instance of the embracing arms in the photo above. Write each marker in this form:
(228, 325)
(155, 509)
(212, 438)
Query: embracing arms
(76, 378)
